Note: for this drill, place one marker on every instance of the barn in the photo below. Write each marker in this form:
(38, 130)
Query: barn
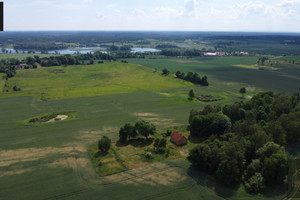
(178, 139)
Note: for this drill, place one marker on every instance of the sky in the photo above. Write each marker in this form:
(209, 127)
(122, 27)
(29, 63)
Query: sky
(160, 15)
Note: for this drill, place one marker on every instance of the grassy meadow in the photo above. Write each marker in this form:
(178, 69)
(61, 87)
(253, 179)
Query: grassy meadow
(52, 160)
(88, 80)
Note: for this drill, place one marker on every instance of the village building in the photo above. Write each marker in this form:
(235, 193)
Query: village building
(178, 139)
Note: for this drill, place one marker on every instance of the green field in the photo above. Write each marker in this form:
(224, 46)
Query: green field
(21, 56)
(91, 80)
(224, 71)
(51, 160)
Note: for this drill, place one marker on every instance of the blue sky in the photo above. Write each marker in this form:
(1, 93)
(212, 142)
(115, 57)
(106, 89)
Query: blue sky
(185, 15)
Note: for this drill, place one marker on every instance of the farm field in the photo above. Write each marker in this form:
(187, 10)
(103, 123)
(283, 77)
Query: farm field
(231, 70)
(52, 158)
(51, 161)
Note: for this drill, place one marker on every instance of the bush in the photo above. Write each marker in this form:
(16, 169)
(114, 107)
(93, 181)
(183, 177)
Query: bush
(165, 72)
(104, 144)
(148, 155)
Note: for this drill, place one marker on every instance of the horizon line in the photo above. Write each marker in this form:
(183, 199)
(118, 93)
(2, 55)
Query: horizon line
(219, 31)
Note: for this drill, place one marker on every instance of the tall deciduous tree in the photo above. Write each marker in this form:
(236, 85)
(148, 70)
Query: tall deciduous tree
(243, 91)
(144, 128)
(191, 94)
(104, 144)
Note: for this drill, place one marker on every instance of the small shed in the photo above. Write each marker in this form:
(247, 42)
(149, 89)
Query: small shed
(178, 139)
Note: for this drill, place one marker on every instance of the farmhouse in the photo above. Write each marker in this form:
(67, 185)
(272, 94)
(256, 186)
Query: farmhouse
(18, 67)
(178, 139)
(209, 54)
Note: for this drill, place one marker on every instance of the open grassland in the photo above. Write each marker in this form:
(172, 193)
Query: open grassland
(88, 80)
(21, 56)
(228, 71)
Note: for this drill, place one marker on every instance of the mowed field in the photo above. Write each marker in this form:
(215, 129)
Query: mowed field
(51, 161)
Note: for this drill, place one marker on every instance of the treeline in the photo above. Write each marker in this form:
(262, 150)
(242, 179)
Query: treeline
(117, 48)
(39, 46)
(80, 58)
(244, 141)
(193, 77)
(181, 52)
(166, 46)
(141, 128)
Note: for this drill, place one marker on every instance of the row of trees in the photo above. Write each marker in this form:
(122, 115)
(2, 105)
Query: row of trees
(141, 128)
(181, 52)
(193, 77)
(244, 141)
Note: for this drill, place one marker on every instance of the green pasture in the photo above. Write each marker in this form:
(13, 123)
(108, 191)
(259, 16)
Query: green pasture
(88, 80)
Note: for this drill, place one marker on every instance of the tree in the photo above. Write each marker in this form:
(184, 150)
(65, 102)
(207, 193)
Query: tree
(255, 184)
(104, 144)
(200, 126)
(126, 132)
(144, 128)
(275, 129)
(243, 91)
(160, 144)
(231, 168)
(220, 124)
(274, 163)
(179, 74)
(191, 94)
(165, 72)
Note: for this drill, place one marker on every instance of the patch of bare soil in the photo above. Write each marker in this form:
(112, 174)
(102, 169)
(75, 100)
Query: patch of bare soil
(155, 174)
(15, 172)
(9, 157)
(70, 162)
(188, 61)
(58, 118)
(91, 135)
(165, 94)
(160, 121)
(145, 114)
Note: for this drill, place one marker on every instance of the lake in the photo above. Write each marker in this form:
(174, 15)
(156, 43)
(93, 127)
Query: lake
(82, 50)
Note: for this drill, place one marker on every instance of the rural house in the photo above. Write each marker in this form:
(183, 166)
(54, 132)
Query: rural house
(178, 139)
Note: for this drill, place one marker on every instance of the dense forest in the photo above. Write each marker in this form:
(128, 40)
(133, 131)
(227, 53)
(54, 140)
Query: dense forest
(245, 142)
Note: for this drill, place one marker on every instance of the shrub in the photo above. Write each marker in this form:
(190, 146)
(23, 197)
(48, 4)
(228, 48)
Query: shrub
(104, 144)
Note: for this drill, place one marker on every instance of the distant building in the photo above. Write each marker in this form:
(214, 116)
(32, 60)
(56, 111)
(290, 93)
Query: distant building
(244, 53)
(178, 139)
(221, 53)
(18, 67)
(209, 54)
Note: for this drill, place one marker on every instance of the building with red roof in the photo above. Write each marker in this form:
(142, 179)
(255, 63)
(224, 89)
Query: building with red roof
(178, 139)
